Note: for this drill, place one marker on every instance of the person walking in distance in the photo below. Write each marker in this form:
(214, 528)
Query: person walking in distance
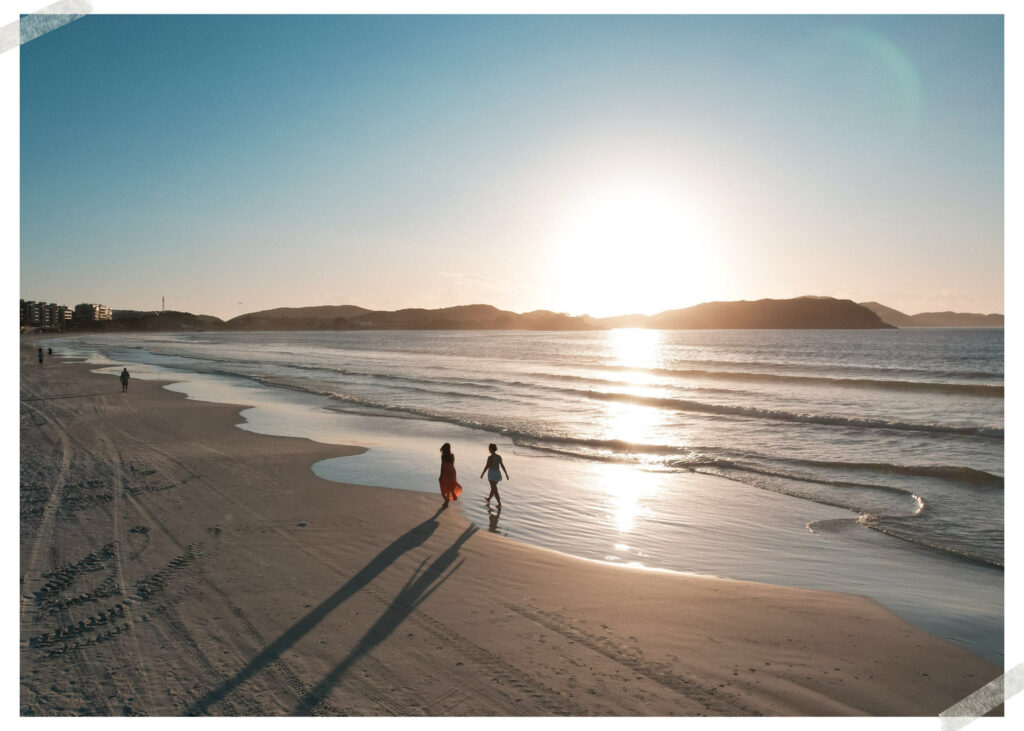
(124, 380)
(493, 467)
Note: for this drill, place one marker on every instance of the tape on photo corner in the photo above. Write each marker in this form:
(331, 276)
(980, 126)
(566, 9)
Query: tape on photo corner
(983, 700)
(31, 26)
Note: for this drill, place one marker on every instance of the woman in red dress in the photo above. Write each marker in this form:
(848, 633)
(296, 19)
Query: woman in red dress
(450, 487)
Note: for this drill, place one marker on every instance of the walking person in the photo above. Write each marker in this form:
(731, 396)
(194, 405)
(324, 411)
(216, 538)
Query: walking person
(124, 380)
(493, 467)
(450, 487)
(40, 356)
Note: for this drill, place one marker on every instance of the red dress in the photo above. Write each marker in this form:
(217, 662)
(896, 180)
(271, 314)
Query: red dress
(450, 487)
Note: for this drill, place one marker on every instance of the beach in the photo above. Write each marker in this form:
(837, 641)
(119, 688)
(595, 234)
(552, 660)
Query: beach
(172, 564)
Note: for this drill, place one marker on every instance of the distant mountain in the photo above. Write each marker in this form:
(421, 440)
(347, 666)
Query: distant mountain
(324, 317)
(811, 312)
(933, 319)
(620, 321)
(799, 313)
(957, 319)
(889, 315)
(467, 317)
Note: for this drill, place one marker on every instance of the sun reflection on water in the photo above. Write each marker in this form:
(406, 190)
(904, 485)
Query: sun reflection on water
(624, 420)
(634, 347)
(628, 491)
(631, 423)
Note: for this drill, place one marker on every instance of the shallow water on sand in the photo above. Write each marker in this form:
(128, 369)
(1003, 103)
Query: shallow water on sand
(651, 512)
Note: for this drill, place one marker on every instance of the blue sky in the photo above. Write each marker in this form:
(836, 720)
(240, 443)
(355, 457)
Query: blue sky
(587, 164)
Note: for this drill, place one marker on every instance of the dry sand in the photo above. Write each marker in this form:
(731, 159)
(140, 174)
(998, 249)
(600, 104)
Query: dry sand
(172, 564)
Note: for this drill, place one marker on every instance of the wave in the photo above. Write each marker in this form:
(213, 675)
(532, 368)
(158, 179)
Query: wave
(833, 499)
(719, 370)
(973, 389)
(874, 522)
(968, 475)
(619, 449)
(837, 525)
(768, 472)
(518, 436)
(777, 415)
(987, 390)
(616, 449)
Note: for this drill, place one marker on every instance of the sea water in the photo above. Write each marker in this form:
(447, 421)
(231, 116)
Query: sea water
(866, 461)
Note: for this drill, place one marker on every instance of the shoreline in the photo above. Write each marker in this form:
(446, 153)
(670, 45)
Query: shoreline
(685, 522)
(378, 590)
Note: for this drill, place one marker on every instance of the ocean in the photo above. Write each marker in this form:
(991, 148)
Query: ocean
(867, 461)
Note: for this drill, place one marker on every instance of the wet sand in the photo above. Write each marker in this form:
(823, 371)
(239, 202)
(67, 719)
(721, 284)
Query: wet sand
(172, 564)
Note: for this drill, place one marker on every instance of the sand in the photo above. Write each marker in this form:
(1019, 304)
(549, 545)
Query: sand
(172, 564)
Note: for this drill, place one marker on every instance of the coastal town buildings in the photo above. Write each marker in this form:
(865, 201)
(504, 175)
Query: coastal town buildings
(51, 316)
(48, 316)
(92, 313)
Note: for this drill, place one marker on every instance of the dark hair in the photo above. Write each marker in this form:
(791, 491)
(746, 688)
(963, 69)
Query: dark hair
(493, 447)
(446, 448)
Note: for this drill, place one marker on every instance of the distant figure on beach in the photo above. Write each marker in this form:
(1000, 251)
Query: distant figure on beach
(40, 356)
(450, 487)
(49, 351)
(124, 380)
(493, 467)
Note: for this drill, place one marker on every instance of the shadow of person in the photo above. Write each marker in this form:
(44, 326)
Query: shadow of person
(420, 585)
(492, 516)
(409, 540)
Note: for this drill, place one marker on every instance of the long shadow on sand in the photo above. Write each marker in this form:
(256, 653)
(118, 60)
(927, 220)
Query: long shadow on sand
(420, 585)
(409, 540)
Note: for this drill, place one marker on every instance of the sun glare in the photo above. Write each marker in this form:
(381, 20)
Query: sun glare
(634, 347)
(633, 249)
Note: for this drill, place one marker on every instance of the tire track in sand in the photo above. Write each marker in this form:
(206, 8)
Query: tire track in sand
(54, 494)
(120, 540)
(43, 543)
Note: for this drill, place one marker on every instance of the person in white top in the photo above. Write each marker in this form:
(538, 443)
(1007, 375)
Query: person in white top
(493, 467)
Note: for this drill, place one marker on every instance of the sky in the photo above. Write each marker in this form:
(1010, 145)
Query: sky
(585, 164)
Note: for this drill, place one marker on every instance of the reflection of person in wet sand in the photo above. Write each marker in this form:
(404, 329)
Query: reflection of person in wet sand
(124, 380)
(493, 468)
(450, 487)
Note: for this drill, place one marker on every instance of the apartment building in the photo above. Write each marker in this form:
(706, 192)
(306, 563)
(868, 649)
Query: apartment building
(92, 313)
(49, 316)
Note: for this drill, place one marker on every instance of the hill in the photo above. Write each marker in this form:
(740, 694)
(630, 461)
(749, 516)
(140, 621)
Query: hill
(467, 317)
(799, 313)
(811, 312)
(889, 315)
(323, 317)
(934, 319)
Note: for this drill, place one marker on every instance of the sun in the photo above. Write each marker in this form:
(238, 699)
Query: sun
(632, 249)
